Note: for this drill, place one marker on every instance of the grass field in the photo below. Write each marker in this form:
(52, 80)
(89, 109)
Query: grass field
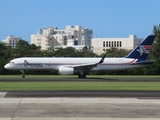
(6, 86)
(9, 86)
(88, 76)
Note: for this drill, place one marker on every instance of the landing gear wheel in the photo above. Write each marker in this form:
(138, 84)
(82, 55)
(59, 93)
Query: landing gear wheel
(23, 76)
(81, 76)
(84, 76)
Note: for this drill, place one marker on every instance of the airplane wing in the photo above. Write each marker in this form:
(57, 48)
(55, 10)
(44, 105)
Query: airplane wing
(88, 65)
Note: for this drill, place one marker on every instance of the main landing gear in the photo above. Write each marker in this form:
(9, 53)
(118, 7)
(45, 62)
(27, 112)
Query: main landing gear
(81, 74)
(23, 75)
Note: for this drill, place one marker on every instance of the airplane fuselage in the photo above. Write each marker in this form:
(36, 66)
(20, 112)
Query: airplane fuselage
(55, 63)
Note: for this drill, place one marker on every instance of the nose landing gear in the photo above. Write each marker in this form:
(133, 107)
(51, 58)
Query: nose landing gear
(23, 75)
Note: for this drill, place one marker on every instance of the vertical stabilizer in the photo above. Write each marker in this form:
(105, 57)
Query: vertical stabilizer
(142, 49)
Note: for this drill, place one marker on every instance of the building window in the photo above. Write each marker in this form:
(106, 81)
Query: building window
(107, 44)
(120, 44)
(112, 43)
(117, 43)
(103, 44)
(103, 49)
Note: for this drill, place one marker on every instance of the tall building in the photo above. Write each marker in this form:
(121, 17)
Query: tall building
(100, 45)
(44, 38)
(86, 36)
(50, 37)
(10, 40)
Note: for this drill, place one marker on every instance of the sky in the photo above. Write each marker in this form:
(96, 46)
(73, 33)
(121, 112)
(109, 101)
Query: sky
(107, 18)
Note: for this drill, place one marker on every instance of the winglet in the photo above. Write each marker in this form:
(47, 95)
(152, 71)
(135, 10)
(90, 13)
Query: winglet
(101, 61)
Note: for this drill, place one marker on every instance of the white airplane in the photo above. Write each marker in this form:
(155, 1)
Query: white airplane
(66, 66)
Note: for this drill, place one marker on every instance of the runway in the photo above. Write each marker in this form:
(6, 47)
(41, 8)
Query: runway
(79, 109)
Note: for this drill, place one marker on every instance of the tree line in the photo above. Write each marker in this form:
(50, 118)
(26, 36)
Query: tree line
(23, 49)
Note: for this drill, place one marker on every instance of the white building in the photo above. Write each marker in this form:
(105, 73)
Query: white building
(44, 38)
(11, 40)
(47, 38)
(100, 45)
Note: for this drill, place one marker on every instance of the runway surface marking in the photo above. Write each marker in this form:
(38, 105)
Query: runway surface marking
(2, 94)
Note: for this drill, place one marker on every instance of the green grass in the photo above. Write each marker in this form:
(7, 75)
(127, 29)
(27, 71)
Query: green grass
(7, 86)
(76, 76)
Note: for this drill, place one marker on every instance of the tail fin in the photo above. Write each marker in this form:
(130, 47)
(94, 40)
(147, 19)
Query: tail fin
(142, 49)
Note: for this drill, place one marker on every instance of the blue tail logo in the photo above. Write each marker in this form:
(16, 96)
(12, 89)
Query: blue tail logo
(141, 51)
(144, 49)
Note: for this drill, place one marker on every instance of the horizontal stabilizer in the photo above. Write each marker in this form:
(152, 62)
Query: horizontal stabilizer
(144, 62)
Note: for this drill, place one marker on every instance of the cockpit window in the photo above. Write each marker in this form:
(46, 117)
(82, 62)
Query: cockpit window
(11, 62)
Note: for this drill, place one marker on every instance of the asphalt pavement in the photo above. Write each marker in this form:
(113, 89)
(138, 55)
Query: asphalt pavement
(79, 80)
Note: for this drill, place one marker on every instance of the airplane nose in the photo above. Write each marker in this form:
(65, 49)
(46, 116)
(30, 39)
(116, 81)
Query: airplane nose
(6, 66)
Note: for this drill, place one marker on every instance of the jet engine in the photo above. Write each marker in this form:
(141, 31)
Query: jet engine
(66, 71)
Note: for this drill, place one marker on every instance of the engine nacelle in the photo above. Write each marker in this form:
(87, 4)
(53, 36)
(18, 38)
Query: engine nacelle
(66, 71)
